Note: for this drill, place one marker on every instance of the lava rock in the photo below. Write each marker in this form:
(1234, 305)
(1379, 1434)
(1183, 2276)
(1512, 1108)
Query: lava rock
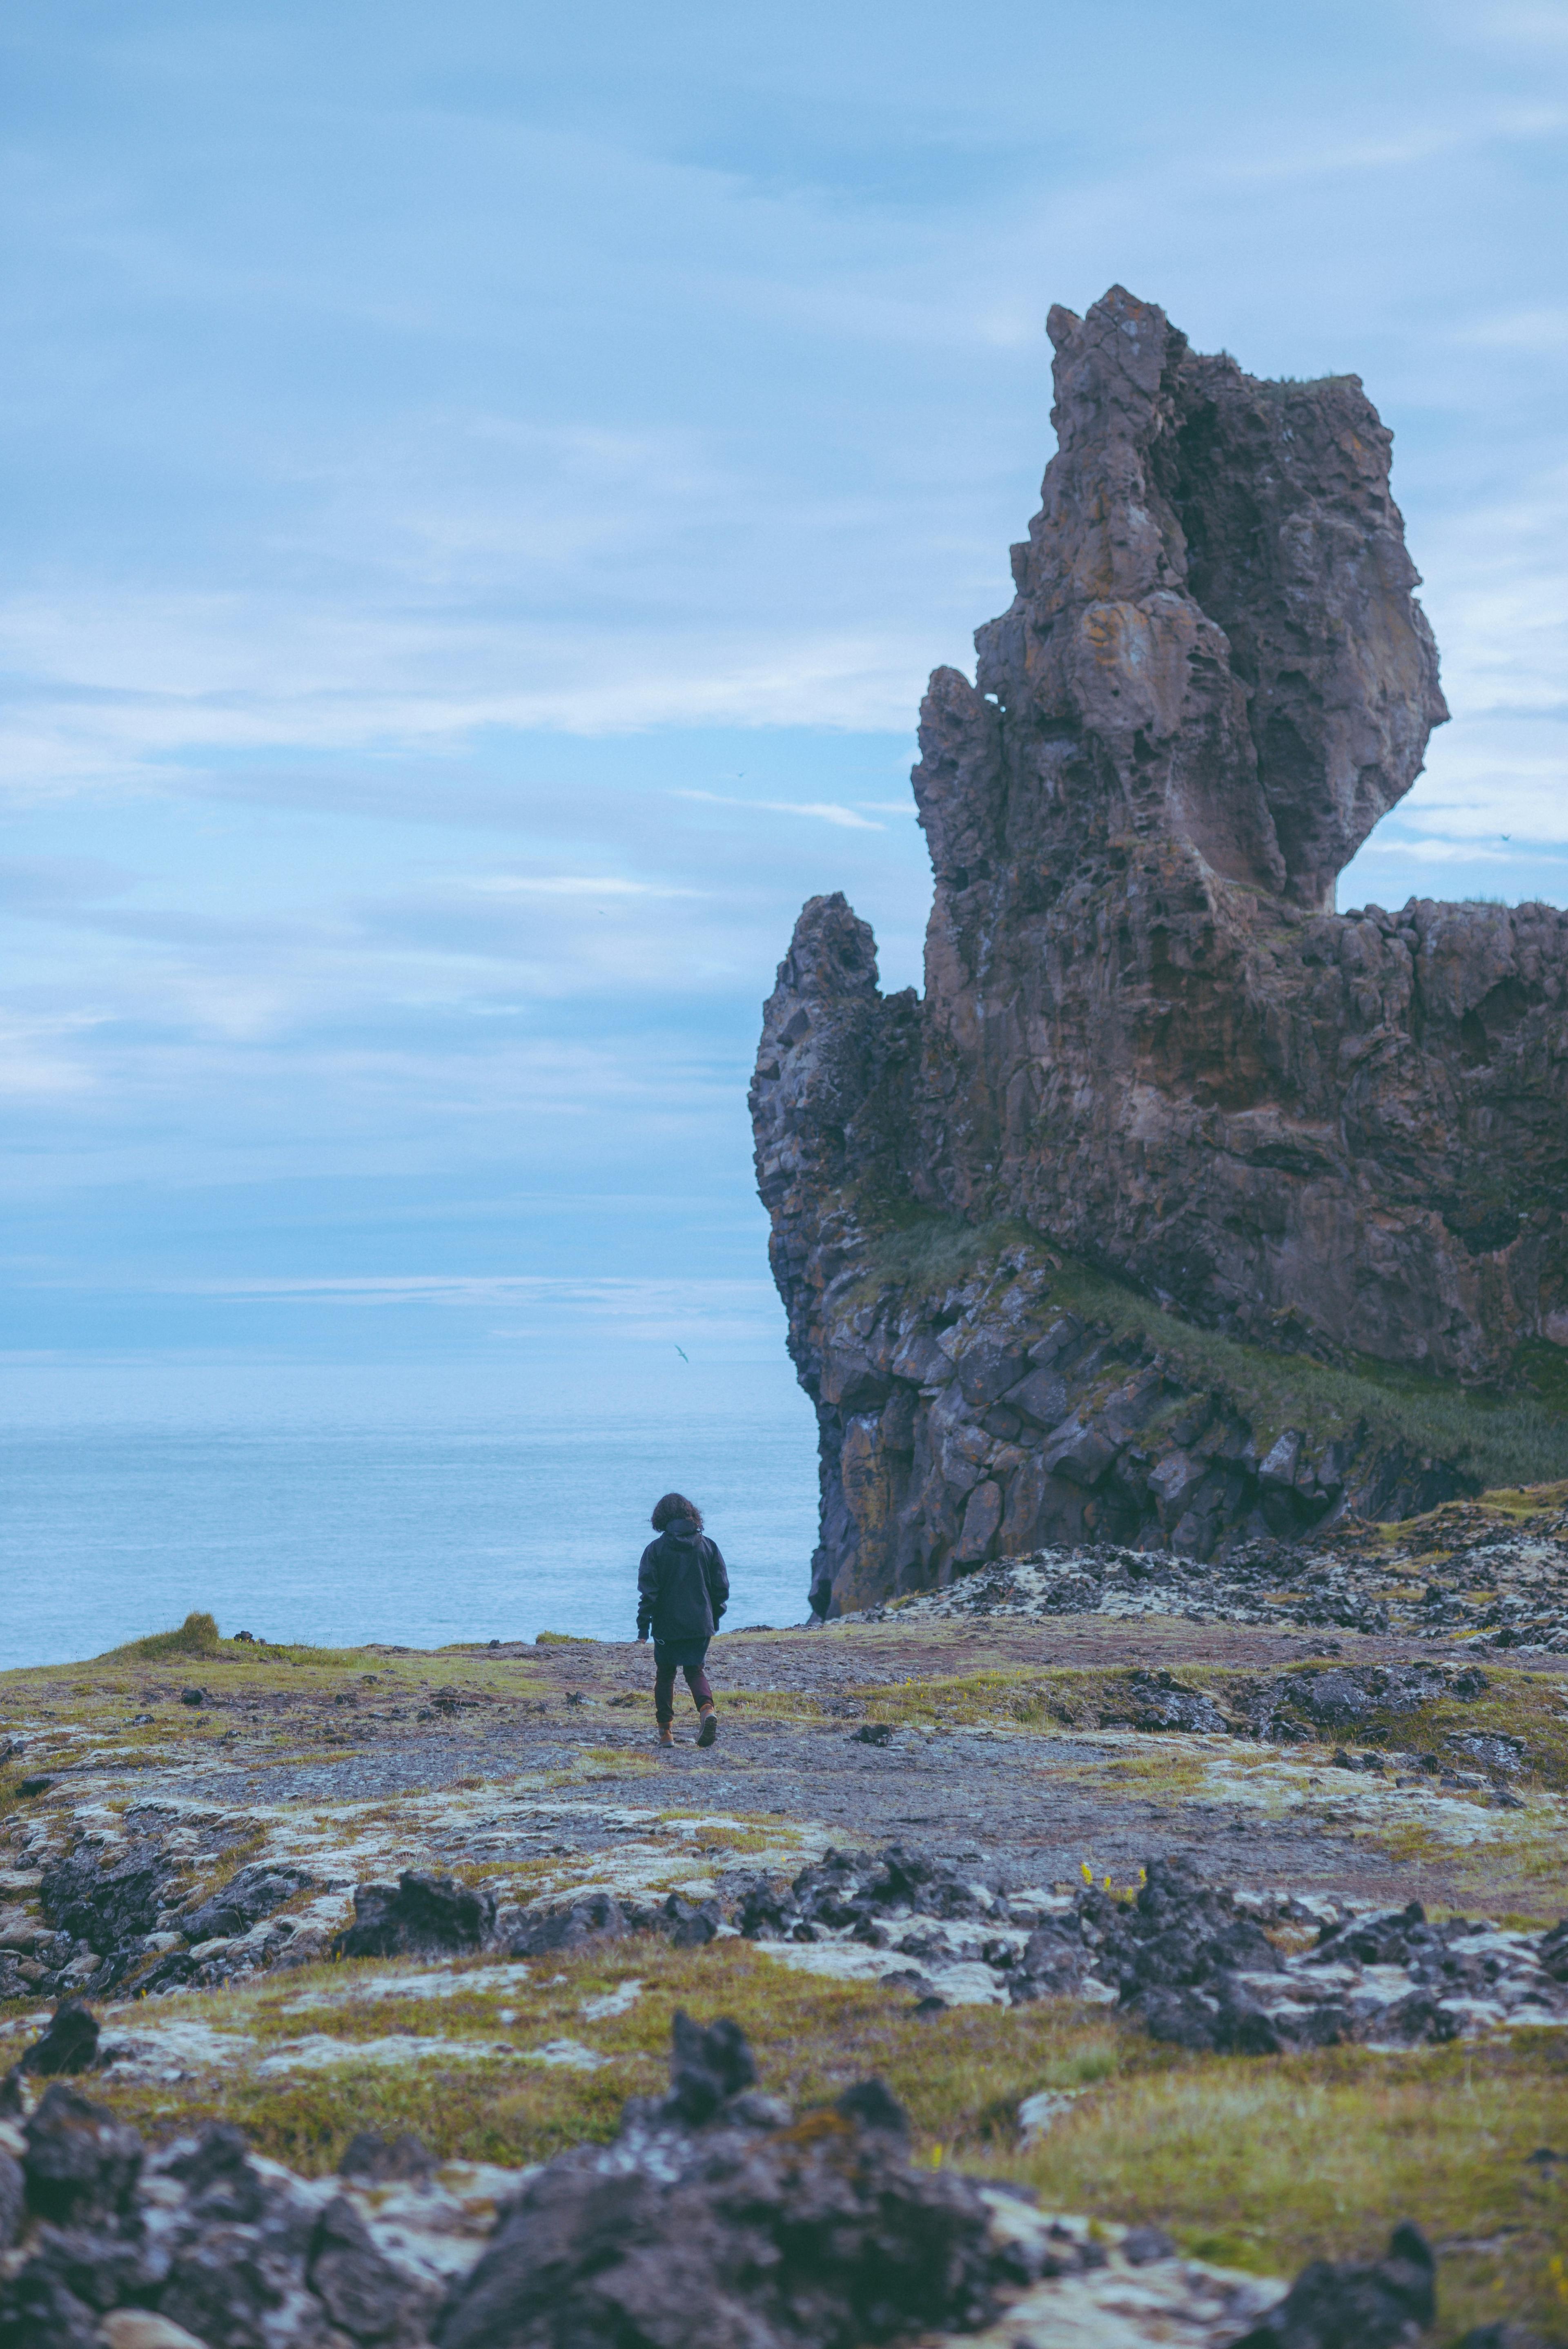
(222, 2183)
(1385, 1939)
(707, 2066)
(1356, 2306)
(689, 1924)
(81, 2163)
(1158, 1702)
(727, 2228)
(106, 1907)
(420, 1916)
(359, 2288)
(38, 2311)
(70, 2044)
(599, 1916)
(248, 1897)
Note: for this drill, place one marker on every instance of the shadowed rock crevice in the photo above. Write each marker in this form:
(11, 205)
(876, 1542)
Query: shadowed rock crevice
(1145, 1035)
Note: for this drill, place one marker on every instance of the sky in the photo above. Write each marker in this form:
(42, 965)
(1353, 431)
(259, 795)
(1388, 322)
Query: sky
(484, 488)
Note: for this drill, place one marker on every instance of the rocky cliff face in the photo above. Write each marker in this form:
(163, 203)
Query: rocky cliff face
(1146, 1037)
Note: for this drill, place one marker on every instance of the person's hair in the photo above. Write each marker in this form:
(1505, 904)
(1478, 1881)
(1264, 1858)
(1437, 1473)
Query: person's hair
(674, 1505)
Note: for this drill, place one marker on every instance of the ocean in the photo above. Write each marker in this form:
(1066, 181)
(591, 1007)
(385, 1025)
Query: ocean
(339, 1505)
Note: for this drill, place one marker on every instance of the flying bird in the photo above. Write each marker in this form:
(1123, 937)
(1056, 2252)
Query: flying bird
(684, 1355)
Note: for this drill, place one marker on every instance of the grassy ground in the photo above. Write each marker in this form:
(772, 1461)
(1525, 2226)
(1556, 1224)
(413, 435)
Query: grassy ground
(1261, 2163)
(128, 1703)
(1519, 1439)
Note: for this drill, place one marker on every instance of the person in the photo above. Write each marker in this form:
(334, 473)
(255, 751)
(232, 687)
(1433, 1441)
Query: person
(683, 1590)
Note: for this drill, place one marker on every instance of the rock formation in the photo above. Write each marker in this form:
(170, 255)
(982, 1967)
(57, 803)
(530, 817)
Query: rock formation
(1146, 1036)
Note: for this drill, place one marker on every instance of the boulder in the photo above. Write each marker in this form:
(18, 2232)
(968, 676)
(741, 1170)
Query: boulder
(710, 2220)
(70, 2044)
(1375, 2304)
(419, 1916)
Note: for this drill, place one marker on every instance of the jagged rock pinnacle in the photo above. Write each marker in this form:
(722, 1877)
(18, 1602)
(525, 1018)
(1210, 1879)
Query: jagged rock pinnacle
(1146, 1037)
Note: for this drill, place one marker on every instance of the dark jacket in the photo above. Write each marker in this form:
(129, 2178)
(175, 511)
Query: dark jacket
(682, 1586)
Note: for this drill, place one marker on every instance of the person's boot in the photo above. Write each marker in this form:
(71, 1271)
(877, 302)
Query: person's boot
(709, 1729)
(666, 1732)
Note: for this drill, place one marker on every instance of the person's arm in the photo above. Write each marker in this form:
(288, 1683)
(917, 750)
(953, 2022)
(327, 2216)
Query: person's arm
(647, 1588)
(717, 1579)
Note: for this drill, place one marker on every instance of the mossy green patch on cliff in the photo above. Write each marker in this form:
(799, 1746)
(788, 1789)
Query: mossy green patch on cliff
(1516, 1440)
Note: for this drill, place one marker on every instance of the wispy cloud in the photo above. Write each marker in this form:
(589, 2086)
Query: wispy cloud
(848, 819)
(1442, 852)
(573, 885)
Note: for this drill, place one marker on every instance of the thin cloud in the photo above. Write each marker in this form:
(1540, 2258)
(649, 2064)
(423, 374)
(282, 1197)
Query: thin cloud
(573, 885)
(824, 811)
(1449, 852)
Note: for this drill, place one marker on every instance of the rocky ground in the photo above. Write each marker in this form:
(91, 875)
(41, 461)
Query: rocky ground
(1464, 1571)
(1111, 1899)
(713, 2210)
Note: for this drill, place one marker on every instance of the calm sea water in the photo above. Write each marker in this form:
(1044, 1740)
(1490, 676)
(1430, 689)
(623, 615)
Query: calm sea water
(343, 1506)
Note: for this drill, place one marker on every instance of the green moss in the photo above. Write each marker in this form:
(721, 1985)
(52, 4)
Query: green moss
(1544, 1370)
(1500, 1440)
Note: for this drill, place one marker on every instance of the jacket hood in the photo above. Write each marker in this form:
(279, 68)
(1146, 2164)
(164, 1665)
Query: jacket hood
(681, 1529)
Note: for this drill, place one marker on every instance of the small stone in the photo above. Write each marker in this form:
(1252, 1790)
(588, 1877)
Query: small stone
(381, 2161)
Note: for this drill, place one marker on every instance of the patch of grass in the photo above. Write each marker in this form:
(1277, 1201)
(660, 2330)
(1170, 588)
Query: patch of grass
(1499, 1440)
(196, 1636)
(770, 1704)
(811, 2037)
(616, 1761)
(1266, 2165)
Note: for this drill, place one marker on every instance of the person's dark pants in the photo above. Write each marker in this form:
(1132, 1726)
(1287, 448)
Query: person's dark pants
(683, 1655)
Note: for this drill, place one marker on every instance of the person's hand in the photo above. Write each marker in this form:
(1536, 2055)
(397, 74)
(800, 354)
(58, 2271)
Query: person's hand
(642, 1639)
